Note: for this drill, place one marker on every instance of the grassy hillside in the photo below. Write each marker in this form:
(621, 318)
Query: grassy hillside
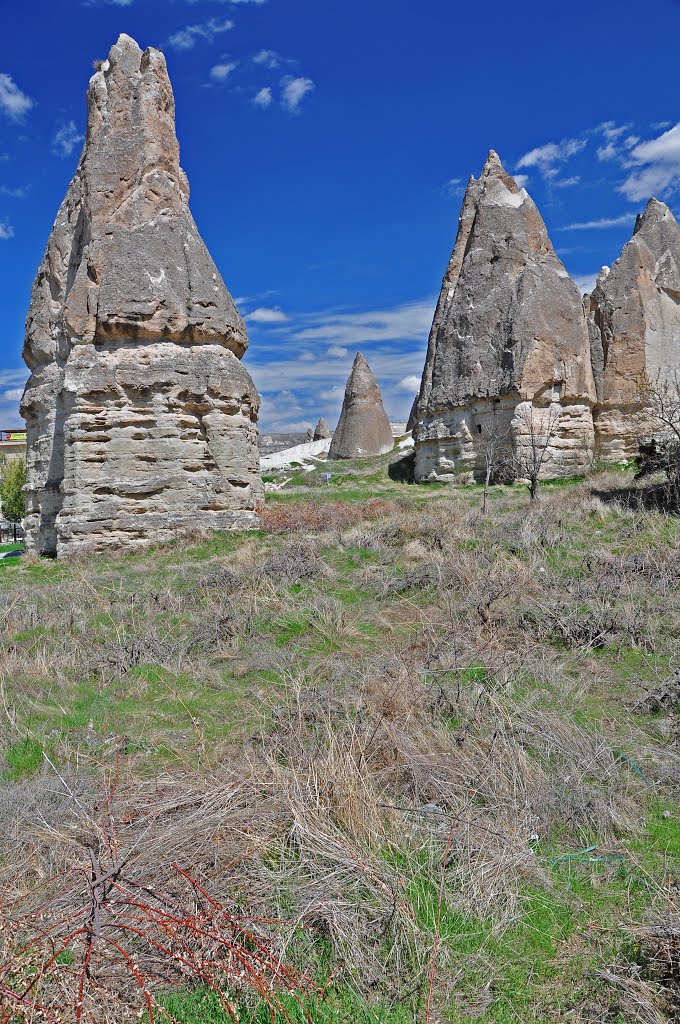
(384, 759)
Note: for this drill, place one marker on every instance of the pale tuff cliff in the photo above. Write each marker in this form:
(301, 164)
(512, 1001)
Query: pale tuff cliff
(141, 420)
(363, 428)
(509, 340)
(634, 322)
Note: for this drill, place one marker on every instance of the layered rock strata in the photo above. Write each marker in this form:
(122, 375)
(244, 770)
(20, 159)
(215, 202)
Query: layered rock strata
(509, 346)
(634, 323)
(141, 420)
(363, 428)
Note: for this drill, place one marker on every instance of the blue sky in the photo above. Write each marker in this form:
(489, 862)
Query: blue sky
(328, 142)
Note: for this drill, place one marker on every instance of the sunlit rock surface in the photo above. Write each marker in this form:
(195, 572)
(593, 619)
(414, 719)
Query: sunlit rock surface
(141, 420)
(363, 428)
(509, 340)
(634, 322)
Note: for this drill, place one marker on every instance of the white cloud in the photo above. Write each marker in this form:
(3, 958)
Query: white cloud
(408, 322)
(268, 58)
(220, 72)
(408, 385)
(13, 381)
(603, 222)
(21, 192)
(265, 315)
(657, 164)
(334, 394)
(13, 102)
(567, 182)
(615, 145)
(585, 282)
(393, 340)
(611, 130)
(11, 395)
(6, 230)
(13, 377)
(454, 186)
(66, 139)
(548, 158)
(187, 37)
(522, 180)
(263, 98)
(293, 91)
(284, 410)
(608, 152)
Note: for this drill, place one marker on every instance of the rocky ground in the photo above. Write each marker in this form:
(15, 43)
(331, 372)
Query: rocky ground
(384, 759)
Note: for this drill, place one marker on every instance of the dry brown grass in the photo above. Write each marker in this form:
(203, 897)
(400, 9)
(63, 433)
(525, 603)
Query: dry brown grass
(417, 685)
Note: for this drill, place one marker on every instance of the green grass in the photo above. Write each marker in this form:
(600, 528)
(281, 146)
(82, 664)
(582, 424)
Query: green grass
(290, 628)
(24, 759)
(346, 629)
(203, 1006)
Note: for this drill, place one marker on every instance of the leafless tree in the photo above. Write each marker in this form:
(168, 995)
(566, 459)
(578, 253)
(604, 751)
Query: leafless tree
(661, 452)
(537, 429)
(493, 448)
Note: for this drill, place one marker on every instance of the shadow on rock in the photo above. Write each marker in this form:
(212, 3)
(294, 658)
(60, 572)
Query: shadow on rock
(402, 470)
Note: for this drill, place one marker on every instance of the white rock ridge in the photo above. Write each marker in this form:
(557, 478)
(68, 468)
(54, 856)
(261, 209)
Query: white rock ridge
(306, 455)
(141, 420)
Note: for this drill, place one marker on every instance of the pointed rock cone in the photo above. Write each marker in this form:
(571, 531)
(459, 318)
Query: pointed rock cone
(363, 428)
(321, 431)
(413, 415)
(634, 321)
(141, 421)
(509, 336)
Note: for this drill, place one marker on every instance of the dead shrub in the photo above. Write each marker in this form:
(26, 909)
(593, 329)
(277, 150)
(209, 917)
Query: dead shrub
(323, 517)
(294, 564)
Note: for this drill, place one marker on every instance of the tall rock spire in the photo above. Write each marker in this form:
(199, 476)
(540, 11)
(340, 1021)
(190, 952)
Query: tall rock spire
(363, 428)
(634, 321)
(509, 335)
(141, 420)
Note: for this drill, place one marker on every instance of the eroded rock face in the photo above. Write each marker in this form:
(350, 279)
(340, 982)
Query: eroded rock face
(509, 336)
(141, 420)
(634, 323)
(321, 431)
(363, 428)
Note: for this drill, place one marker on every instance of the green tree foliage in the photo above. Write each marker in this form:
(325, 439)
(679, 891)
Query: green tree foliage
(12, 480)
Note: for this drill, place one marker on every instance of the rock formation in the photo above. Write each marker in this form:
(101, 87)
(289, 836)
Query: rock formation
(141, 420)
(321, 431)
(634, 322)
(363, 428)
(509, 342)
(413, 415)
